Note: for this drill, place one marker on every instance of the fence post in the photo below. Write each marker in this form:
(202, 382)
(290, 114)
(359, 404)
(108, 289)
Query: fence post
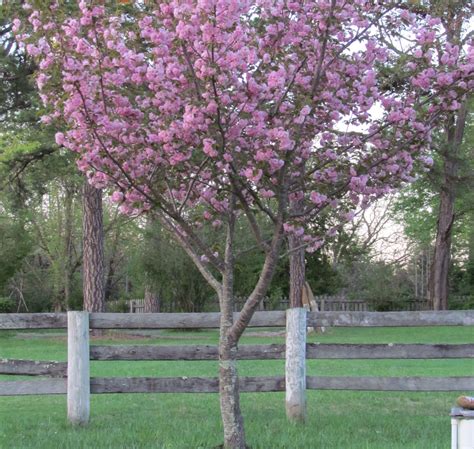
(295, 366)
(78, 376)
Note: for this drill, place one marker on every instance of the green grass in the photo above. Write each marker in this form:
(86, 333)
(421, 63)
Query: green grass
(336, 420)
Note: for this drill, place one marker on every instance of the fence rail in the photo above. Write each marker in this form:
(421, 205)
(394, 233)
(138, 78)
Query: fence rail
(79, 383)
(246, 352)
(276, 351)
(101, 385)
(33, 368)
(260, 319)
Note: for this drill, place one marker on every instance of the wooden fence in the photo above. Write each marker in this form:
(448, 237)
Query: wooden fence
(78, 384)
(327, 303)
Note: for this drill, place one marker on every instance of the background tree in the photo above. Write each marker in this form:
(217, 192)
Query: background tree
(453, 39)
(419, 205)
(93, 270)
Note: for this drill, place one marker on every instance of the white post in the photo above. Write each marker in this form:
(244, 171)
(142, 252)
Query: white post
(454, 433)
(295, 367)
(78, 377)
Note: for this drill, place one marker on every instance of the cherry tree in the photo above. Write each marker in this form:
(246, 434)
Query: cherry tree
(205, 112)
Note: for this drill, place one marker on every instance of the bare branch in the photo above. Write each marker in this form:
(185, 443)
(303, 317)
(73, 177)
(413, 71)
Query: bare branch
(181, 239)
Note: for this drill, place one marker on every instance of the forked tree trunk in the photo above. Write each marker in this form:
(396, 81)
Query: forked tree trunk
(439, 275)
(230, 331)
(93, 250)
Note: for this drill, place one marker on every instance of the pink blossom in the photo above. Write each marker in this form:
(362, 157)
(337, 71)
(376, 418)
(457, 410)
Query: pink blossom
(117, 196)
(266, 193)
(208, 148)
(318, 198)
(253, 174)
(159, 118)
(288, 228)
(59, 137)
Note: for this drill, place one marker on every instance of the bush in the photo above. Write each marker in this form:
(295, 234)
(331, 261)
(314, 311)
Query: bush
(120, 306)
(7, 305)
(461, 302)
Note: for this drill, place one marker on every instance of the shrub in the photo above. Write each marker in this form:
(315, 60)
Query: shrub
(7, 305)
(120, 306)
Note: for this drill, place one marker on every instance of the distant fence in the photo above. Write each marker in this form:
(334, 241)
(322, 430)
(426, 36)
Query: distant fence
(73, 377)
(326, 303)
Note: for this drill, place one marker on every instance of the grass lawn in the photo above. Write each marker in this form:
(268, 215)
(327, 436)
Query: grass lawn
(336, 419)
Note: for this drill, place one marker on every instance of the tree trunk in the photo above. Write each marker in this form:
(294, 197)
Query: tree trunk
(297, 270)
(93, 250)
(439, 288)
(297, 262)
(234, 434)
(232, 419)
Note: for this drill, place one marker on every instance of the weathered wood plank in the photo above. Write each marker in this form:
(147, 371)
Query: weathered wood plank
(247, 384)
(388, 351)
(391, 383)
(181, 384)
(277, 351)
(177, 320)
(33, 368)
(149, 352)
(30, 387)
(178, 352)
(260, 319)
(33, 321)
(392, 319)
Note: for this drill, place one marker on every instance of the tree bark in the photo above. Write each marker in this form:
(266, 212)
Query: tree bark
(439, 287)
(93, 250)
(232, 419)
(297, 270)
(297, 262)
